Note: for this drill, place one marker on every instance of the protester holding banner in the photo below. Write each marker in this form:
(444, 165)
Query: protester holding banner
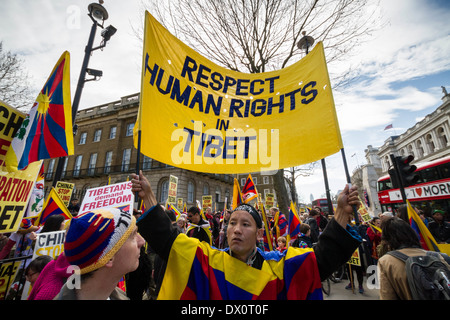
(256, 277)
(112, 233)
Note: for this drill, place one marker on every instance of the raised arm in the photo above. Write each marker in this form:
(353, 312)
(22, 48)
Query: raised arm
(338, 241)
(154, 225)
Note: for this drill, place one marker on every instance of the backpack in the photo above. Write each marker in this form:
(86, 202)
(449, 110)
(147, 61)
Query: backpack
(428, 277)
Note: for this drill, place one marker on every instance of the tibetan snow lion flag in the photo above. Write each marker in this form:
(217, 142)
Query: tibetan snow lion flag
(195, 271)
(294, 223)
(249, 190)
(46, 132)
(203, 117)
(52, 206)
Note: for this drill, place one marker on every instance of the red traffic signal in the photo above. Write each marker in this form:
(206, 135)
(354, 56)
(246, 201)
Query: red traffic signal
(406, 170)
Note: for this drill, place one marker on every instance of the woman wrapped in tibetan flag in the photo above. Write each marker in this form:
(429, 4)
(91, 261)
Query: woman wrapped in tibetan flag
(195, 270)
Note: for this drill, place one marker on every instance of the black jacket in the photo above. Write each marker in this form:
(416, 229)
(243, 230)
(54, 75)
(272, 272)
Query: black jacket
(333, 249)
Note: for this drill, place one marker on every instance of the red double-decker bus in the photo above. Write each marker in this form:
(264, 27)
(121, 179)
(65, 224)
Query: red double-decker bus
(323, 204)
(432, 190)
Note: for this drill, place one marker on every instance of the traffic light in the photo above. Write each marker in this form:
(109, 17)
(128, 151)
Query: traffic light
(406, 170)
(394, 178)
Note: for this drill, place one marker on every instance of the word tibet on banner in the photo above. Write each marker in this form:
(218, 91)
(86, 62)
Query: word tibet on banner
(117, 195)
(200, 116)
(10, 121)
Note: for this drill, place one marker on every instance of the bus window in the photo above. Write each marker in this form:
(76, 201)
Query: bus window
(384, 185)
(429, 174)
(444, 171)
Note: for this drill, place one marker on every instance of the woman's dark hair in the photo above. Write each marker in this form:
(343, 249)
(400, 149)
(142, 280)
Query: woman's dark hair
(399, 234)
(194, 210)
(52, 223)
(402, 212)
(38, 264)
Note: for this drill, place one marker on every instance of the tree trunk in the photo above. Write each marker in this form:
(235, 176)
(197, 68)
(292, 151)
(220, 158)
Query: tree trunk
(280, 189)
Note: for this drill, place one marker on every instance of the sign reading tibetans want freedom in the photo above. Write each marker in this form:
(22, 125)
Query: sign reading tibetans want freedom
(117, 195)
(200, 116)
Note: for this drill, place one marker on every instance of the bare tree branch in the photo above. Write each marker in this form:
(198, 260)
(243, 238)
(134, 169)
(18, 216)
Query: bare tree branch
(14, 83)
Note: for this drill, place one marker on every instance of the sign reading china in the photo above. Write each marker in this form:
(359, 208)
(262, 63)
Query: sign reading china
(10, 121)
(206, 202)
(117, 195)
(172, 195)
(432, 190)
(64, 191)
(203, 117)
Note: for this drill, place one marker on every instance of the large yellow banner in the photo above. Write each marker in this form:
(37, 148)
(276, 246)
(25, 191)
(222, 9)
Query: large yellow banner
(200, 116)
(15, 191)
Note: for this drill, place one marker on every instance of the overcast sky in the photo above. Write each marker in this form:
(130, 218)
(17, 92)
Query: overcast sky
(402, 68)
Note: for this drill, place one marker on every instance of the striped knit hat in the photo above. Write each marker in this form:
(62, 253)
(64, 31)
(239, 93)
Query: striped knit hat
(94, 237)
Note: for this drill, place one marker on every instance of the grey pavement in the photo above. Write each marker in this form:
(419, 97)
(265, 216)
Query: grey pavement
(338, 292)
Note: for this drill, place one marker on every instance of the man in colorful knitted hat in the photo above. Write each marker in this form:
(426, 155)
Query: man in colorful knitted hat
(103, 245)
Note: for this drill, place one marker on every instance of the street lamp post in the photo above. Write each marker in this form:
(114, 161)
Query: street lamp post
(98, 15)
(304, 44)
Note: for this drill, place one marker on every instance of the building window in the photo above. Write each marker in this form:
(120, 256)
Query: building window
(51, 166)
(442, 137)
(190, 194)
(217, 194)
(205, 189)
(430, 142)
(147, 163)
(387, 163)
(130, 127)
(77, 166)
(63, 173)
(164, 191)
(266, 180)
(112, 132)
(126, 160)
(83, 137)
(410, 150)
(97, 135)
(255, 180)
(92, 163)
(243, 182)
(420, 150)
(108, 161)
